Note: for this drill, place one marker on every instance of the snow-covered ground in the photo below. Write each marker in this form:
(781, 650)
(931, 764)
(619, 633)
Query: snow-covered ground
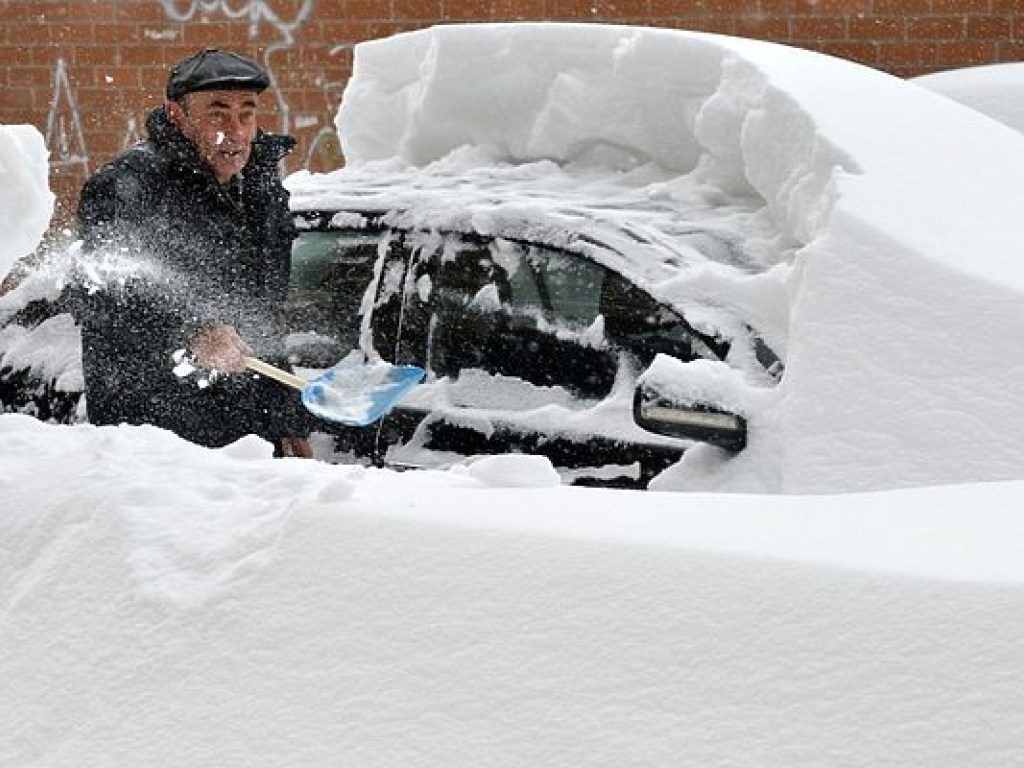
(164, 604)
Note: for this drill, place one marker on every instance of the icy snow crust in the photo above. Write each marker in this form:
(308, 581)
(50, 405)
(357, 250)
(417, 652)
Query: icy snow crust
(874, 263)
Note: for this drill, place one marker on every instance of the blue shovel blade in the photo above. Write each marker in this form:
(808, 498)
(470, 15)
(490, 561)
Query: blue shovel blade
(358, 395)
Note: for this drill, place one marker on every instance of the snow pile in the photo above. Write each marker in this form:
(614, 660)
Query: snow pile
(996, 90)
(168, 605)
(26, 203)
(903, 296)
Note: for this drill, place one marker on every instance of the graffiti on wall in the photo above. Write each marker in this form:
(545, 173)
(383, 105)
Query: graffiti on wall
(325, 151)
(65, 140)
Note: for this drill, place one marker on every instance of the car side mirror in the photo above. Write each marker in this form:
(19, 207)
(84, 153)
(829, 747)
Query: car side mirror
(657, 413)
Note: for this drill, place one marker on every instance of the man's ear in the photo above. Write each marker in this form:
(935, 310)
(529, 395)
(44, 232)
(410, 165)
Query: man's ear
(176, 112)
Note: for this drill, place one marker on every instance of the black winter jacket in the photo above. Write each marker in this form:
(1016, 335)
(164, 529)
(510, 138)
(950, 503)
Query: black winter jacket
(167, 250)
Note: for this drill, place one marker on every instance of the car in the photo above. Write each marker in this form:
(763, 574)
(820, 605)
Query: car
(532, 321)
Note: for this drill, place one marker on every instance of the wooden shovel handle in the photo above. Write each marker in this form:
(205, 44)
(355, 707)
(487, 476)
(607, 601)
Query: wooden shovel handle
(272, 372)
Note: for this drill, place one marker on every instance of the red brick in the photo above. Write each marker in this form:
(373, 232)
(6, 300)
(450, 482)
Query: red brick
(92, 11)
(218, 35)
(518, 10)
(937, 28)
(961, 7)
(135, 12)
(863, 53)
(719, 24)
(763, 28)
(33, 34)
(417, 9)
(617, 10)
(458, 10)
(784, 6)
(570, 10)
(21, 12)
(819, 29)
(908, 8)
(965, 54)
(878, 28)
(989, 27)
(19, 97)
(665, 8)
(841, 7)
(907, 53)
(1012, 50)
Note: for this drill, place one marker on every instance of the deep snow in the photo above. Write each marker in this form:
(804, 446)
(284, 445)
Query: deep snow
(164, 604)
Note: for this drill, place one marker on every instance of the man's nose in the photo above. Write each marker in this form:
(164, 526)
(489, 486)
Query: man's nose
(233, 127)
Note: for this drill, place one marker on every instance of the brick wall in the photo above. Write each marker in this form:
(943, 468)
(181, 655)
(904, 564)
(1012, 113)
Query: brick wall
(86, 72)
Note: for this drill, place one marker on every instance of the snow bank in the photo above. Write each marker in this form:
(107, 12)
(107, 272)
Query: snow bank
(26, 203)
(167, 605)
(996, 90)
(904, 297)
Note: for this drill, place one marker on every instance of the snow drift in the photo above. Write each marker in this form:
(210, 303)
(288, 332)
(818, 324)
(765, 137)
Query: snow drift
(903, 288)
(26, 202)
(170, 605)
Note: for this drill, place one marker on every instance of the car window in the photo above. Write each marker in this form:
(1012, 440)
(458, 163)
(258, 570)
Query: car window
(330, 273)
(542, 315)
(570, 285)
(634, 321)
(572, 292)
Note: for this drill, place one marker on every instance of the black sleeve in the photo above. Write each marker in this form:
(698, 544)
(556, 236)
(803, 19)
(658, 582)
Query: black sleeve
(119, 293)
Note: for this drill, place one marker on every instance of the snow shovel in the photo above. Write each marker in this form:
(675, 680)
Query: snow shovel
(353, 395)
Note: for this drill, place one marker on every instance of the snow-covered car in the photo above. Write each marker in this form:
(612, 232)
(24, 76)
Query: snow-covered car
(531, 294)
(996, 90)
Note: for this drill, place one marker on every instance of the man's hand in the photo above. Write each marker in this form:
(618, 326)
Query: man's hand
(219, 347)
(297, 447)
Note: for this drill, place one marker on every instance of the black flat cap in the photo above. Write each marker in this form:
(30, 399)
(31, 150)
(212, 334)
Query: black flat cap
(214, 70)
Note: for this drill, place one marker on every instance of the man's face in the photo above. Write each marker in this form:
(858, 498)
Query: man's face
(222, 124)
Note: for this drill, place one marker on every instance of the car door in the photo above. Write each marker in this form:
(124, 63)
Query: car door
(522, 342)
(523, 345)
(337, 281)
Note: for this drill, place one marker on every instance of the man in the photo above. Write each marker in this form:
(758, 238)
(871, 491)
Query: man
(186, 246)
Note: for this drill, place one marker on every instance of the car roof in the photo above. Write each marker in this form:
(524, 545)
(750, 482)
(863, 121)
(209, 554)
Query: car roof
(645, 224)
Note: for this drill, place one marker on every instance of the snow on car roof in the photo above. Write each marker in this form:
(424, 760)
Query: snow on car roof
(645, 222)
(653, 226)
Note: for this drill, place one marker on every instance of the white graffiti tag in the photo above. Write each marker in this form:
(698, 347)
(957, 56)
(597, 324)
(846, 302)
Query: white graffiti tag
(64, 138)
